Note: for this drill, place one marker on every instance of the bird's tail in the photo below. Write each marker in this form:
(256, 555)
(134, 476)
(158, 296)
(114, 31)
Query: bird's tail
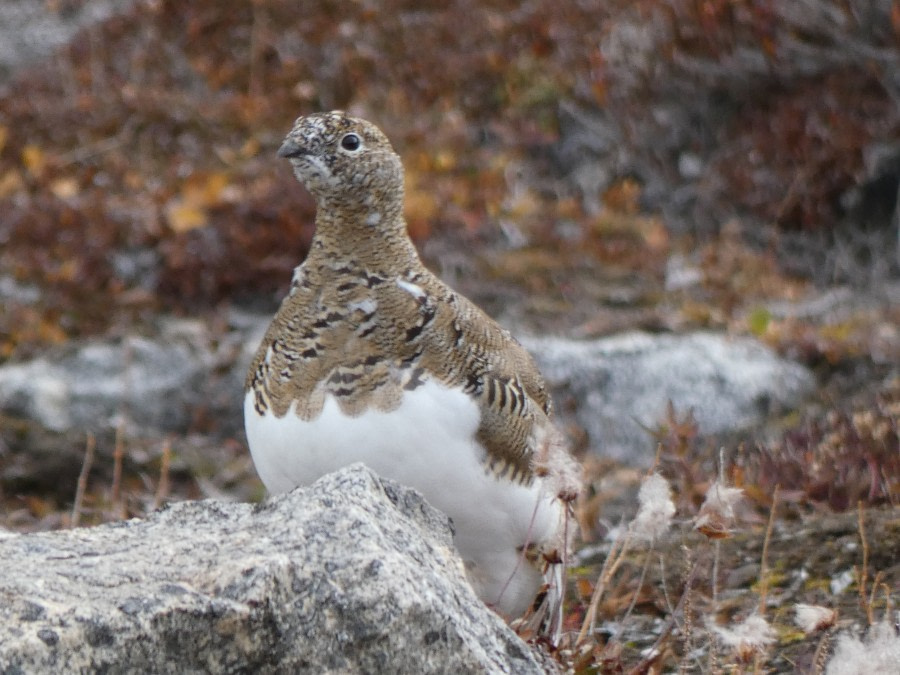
(546, 618)
(562, 476)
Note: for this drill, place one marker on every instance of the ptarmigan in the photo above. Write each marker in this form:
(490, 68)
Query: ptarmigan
(372, 358)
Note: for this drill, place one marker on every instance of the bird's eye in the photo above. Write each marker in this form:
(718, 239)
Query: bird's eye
(351, 142)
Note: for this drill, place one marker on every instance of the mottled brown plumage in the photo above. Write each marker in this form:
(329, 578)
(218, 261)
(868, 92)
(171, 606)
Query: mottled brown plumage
(348, 329)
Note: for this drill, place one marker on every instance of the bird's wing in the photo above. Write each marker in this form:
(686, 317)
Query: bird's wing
(467, 348)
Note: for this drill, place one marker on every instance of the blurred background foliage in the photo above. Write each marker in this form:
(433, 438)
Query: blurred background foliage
(555, 142)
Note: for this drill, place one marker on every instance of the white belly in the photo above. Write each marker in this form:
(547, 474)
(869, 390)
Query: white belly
(427, 443)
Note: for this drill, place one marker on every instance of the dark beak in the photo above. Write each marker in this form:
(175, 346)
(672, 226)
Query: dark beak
(290, 149)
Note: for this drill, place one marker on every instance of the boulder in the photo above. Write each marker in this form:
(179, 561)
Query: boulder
(147, 384)
(620, 386)
(353, 574)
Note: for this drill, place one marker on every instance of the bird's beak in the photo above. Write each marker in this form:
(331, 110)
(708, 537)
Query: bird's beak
(290, 149)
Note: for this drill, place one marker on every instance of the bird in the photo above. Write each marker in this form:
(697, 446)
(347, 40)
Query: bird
(371, 358)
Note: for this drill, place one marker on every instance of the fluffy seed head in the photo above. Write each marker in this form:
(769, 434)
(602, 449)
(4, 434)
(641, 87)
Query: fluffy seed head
(812, 618)
(716, 516)
(748, 638)
(656, 509)
(879, 653)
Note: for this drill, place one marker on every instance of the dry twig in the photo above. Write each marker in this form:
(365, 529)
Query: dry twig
(616, 555)
(862, 576)
(763, 563)
(116, 489)
(81, 486)
(162, 488)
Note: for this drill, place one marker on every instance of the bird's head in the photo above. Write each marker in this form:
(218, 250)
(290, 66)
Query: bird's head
(344, 161)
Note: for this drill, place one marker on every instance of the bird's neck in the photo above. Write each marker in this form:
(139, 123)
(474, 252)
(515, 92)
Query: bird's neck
(373, 238)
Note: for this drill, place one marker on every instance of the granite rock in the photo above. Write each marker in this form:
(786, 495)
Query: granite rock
(352, 574)
(621, 385)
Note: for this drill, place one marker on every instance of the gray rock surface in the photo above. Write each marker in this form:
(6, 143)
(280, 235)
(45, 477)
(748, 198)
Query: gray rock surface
(31, 29)
(353, 574)
(150, 384)
(621, 385)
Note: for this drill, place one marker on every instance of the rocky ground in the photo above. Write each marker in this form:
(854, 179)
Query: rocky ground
(665, 208)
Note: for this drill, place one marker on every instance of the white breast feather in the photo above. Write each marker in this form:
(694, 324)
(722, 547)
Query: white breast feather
(427, 443)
